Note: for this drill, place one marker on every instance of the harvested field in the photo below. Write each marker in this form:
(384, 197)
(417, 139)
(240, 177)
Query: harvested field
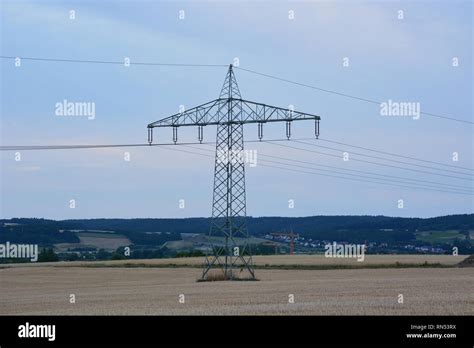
(151, 291)
(106, 241)
(273, 261)
(103, 240)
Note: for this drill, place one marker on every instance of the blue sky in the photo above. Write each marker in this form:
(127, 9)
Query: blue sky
(389, 58)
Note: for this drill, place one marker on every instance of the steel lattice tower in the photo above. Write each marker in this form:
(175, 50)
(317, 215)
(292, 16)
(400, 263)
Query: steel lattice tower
(228, 235)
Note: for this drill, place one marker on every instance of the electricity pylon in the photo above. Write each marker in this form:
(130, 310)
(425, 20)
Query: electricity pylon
(228, 235)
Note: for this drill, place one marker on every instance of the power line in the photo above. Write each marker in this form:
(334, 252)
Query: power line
(186, 151)
(172, 146)
(369, 181)
(270, 141)
(372, 178)
(370, 162)
(52, 147)
(350, 178)
(70, 147)
(392, 154)
(389, 153)
(367, 100)
(364, 172)
(95, 146)
(113, 62)
(383, 159)
(372, 101)
(453, 188)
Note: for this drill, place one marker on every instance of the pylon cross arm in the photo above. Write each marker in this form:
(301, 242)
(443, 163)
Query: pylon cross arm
(203, 114)
(252, 112)
(244, 111)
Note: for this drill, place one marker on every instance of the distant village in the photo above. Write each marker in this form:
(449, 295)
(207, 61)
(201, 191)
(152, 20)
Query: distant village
(309, 245)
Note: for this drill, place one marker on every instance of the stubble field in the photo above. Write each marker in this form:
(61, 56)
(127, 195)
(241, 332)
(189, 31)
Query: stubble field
(46, 289)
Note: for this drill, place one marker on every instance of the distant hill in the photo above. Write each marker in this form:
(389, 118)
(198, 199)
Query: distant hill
(344, 228)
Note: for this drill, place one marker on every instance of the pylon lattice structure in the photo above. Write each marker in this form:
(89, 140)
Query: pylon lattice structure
(228, 236)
